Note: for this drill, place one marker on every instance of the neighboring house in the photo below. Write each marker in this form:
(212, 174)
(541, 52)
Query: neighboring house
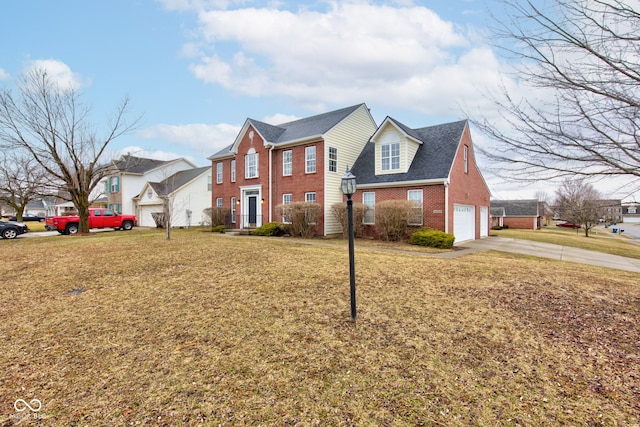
(300, 161)
(611, 210)
(497, 217)
(130, 173)
(631, 213)
(524, 214)
(435, 167)
(187, 194)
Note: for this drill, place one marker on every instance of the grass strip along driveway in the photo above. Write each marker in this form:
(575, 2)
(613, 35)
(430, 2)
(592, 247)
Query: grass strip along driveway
(205, 329)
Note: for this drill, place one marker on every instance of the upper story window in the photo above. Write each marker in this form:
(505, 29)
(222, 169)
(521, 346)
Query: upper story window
(333, 159)
(466, 159)
(219, 173)
(149, 193)
(115, 184)
(209, 183)
(390, 155)
(287, 162)
(251, 164)
(310, 156)
(233, 170)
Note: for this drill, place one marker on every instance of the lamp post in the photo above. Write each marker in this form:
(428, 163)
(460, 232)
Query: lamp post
(348, 186)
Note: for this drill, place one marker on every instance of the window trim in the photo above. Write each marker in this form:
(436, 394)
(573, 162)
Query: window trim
(310, 165)
(421, 207)
(390, 156)
(307, 194)
(233, 210)
(233, 170)
(285, 163)
(219, 172)
(372, 208)
(333, 160)
(466, 158)
(285, 219)
(219, 202)
(251, 154)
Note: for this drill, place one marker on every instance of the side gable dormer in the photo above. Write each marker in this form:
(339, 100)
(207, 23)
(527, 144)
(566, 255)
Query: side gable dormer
(395, 147)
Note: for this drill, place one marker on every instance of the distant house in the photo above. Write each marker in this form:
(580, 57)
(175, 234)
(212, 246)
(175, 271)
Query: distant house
(187, 193)
(631, 213)
(611, 210)
(523, 214)
(129, 174)
(433, 166)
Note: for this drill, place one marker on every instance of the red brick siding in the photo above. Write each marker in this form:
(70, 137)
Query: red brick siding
(467, 188)
(526, 223)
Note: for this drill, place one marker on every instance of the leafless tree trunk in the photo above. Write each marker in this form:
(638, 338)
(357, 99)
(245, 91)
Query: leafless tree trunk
(580, 62)
(51, 124)
(578, 202)
(22, 180)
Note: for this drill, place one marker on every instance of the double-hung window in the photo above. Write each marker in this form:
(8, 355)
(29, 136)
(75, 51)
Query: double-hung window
(208, 183)
(233, 210)
(251, 164)
(333, 159)
(287, 162)
(115, 184)
(310, 157)
(390, 156)
(466, 159)
(219, 173)
(415, 216)
(233, 170)
(287, 199)
(310, 197)
(310, 215)
(369, 200)
(219, 202)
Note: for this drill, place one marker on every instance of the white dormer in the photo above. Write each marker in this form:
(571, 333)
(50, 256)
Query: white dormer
(395, 149)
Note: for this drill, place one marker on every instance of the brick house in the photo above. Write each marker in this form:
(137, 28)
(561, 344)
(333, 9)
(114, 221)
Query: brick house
(524, 214)
(299, 161)
(435, 167)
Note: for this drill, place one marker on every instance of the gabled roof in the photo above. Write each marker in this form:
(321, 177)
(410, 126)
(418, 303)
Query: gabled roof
(137, 165)
(433, 159)
(291, 132)
(527, 207)
(177, 180)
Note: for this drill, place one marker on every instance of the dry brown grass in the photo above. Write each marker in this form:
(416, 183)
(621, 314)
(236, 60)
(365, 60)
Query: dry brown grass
(207, 329)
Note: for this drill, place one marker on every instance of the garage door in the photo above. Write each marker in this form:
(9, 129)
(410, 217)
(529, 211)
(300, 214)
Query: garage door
(464, 222)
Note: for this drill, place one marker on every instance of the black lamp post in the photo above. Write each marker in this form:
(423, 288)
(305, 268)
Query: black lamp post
(348, 188)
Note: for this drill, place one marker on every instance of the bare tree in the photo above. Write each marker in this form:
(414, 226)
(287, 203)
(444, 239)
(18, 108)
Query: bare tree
(50, 123)
(578, 202)
(580, 61)
(22, 180)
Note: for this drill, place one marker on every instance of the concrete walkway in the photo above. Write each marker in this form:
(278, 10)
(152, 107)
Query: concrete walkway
(545, 250)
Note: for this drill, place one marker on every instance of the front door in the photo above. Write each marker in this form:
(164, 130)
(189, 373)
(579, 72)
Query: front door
(253, 210)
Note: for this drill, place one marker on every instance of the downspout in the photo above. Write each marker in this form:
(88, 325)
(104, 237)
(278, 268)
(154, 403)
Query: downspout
(271, 183)
(446, 206)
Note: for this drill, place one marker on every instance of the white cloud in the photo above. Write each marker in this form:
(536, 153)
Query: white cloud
(202, 138)
(3, 74)
(60, 73)
(278, 119)
(353, 52)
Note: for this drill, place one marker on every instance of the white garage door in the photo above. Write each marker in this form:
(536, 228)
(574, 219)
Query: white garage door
(464, 222)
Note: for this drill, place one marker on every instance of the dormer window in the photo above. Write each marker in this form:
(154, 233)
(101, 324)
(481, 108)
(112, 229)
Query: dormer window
(390, 156)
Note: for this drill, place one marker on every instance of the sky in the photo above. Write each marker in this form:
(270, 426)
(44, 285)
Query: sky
(195, 70)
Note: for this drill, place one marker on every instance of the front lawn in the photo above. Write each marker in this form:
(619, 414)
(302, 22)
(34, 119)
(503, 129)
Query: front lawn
(207, 329)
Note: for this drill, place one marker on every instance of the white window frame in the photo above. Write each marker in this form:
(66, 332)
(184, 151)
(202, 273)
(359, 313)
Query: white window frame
(251, 164)
(287, 199)
(466, 159)
(208, 182)
(287, 163)
(114, 184)
(219, 170)
(233, 210)
(370, 216)
(233, 170)
(420, 207)
(219, 202)
(333, 159)
(391, 159)
(310, 159)
(310, 195)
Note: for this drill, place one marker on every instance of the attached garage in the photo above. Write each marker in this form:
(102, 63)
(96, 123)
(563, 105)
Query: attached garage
(464, 222)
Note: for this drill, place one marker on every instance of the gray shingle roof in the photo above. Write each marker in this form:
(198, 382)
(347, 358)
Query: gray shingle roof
(137, 165)
(432, 161)
(528, 207)
(297, 129)
(177, 180)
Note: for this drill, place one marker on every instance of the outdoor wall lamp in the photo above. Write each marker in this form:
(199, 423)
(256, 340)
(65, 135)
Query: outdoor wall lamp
(348, 186)
(262, 201)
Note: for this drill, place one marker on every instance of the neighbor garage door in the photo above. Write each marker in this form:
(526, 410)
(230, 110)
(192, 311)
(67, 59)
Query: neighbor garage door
(464, 222)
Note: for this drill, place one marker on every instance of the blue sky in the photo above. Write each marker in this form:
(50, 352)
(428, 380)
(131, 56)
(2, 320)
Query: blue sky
(196, 69)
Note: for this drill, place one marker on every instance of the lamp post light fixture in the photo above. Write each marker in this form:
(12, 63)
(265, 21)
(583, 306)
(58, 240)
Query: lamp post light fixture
(348, 186)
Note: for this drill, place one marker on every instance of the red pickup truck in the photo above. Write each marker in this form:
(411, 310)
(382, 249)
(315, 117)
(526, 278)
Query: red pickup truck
(98, 218)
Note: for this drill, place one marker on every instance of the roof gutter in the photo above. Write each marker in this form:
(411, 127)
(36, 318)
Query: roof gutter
(404, 183)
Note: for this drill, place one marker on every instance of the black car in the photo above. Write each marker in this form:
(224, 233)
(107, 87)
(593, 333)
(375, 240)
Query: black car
(28, 217)
(11, 230)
